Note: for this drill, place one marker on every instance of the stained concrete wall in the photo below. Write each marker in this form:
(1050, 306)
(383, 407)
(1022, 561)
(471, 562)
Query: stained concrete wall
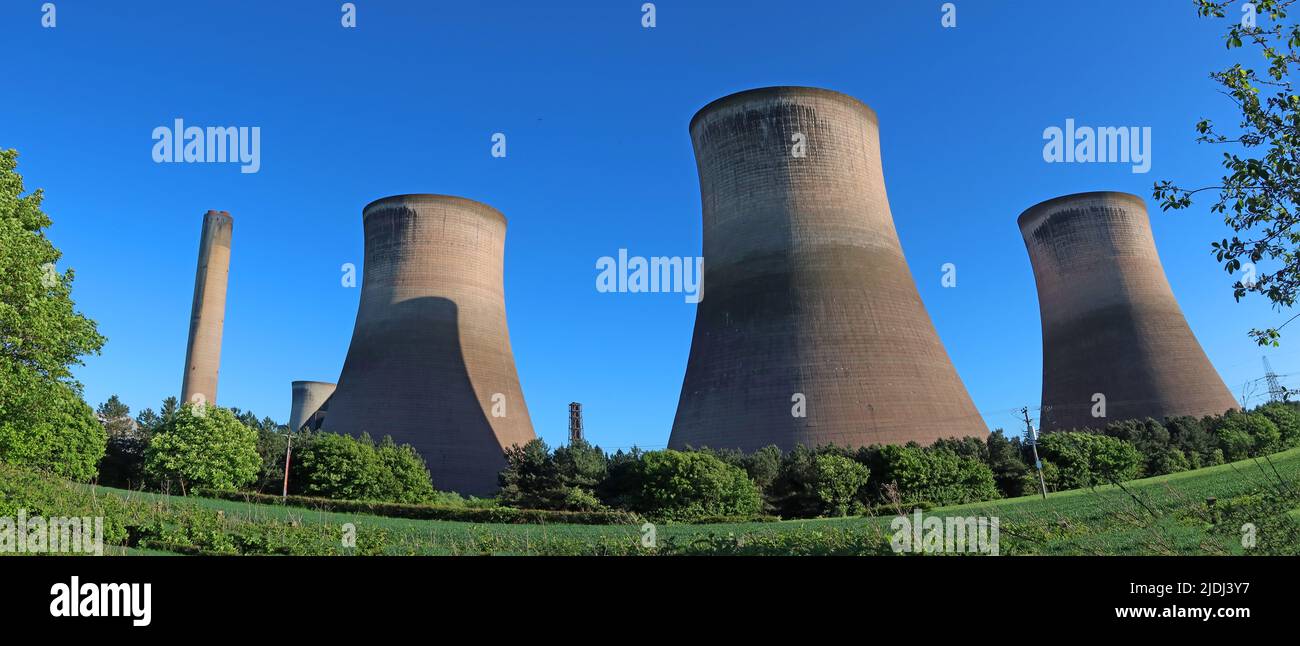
(208, 311)
(806, 290)
(1111, 325)
(430, 361)
(308, 397)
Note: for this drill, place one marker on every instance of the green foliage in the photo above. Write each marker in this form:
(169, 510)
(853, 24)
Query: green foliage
(203, 446)
(682, 485)
(838, 483)
(116, 417)
(331, 465)
(47, 426)
(1243, 435)
(1006, 460)
(1088, 459)
(566, 479)
(1287, 421)
(937, 477)
(447, 507)
(1260, 190)
(43, 422)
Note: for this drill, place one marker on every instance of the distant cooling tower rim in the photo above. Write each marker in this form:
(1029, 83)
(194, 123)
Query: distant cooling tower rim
(778, 91)
(408, 198)
(1049, 206)
(325, 383)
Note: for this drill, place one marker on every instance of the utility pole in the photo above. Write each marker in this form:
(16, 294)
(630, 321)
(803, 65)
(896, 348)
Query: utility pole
(288, 453)
(1032, 439)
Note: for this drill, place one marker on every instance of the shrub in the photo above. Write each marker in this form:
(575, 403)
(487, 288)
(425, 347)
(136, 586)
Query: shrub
(332, 465)
(939, 477)
(681, 485)
(1287, 421)
(839, 480)
(47, 426)
(203, 446)
(1242, 435)
(1086, 459)
(566, 479)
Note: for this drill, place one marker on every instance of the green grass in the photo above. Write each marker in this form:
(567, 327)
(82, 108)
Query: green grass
(1154, 516)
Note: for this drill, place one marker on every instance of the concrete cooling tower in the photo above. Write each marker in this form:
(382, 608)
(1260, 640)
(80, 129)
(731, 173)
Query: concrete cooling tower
(811, 330)
(207, 314)
(1111, 326)
(430, 361)
(308, 397)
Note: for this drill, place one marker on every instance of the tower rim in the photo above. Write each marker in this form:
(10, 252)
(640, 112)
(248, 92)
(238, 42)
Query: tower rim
(485, 209)
(782, 90)
(1042, 208)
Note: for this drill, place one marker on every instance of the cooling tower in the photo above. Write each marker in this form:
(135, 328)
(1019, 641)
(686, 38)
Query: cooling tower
(430, 361)
(207, 314)
(1111, 326)
(811, 330)
(308, 397)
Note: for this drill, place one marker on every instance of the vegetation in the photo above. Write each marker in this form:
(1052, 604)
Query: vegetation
(1259, 196)
(43, 421)
(203, 446)
(330, 465)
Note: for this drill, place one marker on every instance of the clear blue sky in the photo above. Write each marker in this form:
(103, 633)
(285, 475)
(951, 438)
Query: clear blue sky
(596, 111)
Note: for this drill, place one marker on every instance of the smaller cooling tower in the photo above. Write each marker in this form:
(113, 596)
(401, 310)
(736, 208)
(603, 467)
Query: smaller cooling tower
(308, 397)
(430, 361)
(1111, 326)
(208, 312)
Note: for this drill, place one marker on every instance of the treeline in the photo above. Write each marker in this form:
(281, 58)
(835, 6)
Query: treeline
(702, 484)
(191, 447)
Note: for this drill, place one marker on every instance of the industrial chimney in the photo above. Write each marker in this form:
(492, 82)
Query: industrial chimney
(811, 330)
(430, 361)
(207, 314)
(308, 397)
(1115, 343)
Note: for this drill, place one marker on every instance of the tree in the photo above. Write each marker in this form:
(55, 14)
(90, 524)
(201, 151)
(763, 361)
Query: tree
(116, 417)
(690, 485)
(47, 426)
(43, 421)
(1087, 459)
(567, 479)
(203, 446)
(404, 477)
(1007, 462)
(839, 481)
(1260, 194)
(1286, 420)
(1244, 435)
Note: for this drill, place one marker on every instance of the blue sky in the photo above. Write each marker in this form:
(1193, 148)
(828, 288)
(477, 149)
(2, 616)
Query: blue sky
(596, 109)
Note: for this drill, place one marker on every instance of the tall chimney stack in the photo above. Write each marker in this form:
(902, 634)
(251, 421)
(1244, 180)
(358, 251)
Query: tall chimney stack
(208, 313)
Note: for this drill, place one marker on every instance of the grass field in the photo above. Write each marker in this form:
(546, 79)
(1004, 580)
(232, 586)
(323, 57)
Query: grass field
(1162, 515)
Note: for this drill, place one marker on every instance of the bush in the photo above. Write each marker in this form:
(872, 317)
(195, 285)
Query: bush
(566, 479)
(839, 480)
(47, 426)
(939, 477)
(464, 512)
(1287, 421)
(343, 467)
(203, 446)
(1243, 435)
(680, 485)
(1087, 460)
